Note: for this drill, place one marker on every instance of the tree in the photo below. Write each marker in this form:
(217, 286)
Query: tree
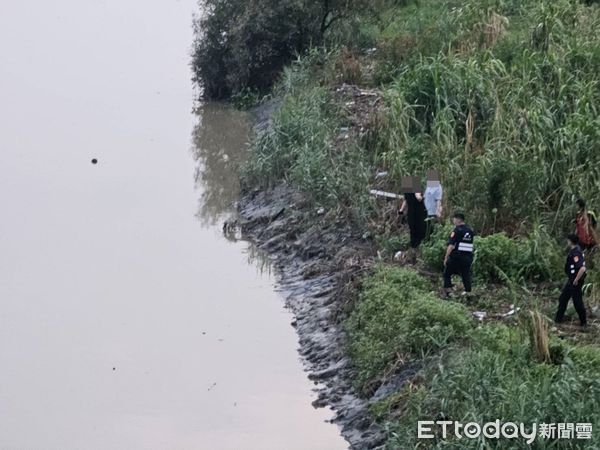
(245, 44)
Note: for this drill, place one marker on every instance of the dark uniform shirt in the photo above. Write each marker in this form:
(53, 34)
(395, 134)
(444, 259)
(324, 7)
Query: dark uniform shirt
(462, 240)
(575, 261)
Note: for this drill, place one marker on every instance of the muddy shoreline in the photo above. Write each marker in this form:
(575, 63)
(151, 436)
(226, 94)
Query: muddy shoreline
(318, 262)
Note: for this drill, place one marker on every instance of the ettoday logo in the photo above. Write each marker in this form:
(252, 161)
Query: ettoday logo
(429, 429)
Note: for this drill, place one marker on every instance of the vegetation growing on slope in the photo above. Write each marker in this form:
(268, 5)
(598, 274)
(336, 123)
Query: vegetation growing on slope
(396, 318)
(502, 98)
(242, 46)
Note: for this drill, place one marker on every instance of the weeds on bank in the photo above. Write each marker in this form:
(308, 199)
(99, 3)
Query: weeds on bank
(501, 96)
(512, 125)
(299, 148)
(500, 377)
(396, 319)
(500, 258)
(515, 372)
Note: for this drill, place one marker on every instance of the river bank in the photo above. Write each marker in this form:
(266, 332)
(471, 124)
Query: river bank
(470, 92)
(317, 263)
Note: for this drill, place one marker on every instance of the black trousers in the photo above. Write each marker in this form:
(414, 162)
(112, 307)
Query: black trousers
(458, 265)
(430, 225)
(417, 228)
(576, 293)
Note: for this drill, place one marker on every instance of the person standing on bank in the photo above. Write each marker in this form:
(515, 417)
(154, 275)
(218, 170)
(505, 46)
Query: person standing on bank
(585, 226)
(414, 208)
(459, 254)
(433, 200)
(575, 271)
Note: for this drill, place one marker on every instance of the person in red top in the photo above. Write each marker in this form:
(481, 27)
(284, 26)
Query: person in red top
(584, 227)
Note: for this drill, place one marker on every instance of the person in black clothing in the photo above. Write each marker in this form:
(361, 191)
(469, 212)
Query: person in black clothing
(459, 254)
(575, 270)
(414, 208)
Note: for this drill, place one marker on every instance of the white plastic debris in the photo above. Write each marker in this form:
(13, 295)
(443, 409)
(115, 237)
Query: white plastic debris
(480, 315)
(512, 311)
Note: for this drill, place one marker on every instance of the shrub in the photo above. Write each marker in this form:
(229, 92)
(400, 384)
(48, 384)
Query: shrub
(398, 278)
(397, 318)
(434, 249)
(245, 44)
(501, 258)
(483, 385)
(297, 140)
(496, 337)
(497, 258)
(540, 256)
(509, 124)
(430, 324)
(299, 147)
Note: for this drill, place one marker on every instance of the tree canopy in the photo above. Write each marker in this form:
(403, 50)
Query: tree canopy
(245, 44)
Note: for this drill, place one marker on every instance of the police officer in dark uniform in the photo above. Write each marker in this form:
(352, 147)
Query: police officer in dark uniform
(459, 254)
(575, 270)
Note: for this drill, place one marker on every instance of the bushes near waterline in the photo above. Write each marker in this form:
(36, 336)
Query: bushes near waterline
(396, 319)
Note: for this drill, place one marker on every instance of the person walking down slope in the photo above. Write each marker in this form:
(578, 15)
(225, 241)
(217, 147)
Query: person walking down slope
(414, 208)
(575, 270)
(459, 254)
(585, 226)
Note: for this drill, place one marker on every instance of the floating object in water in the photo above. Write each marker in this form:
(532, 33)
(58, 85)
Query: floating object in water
(94, 161)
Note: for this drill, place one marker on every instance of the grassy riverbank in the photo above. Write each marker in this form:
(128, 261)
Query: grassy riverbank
(502, 97)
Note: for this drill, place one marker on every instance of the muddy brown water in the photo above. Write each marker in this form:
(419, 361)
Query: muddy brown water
(126, 320)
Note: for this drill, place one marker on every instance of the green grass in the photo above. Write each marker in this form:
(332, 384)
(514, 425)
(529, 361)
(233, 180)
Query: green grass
(300, 148)
(500, 258)
(396, 320)
(513, 134)
(498, 379)
(502, 98)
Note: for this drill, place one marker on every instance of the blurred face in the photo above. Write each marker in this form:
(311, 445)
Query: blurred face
(455, 221)
(410, 184)
(433, 178)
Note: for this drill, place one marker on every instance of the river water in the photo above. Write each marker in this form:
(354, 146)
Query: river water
(126, 320)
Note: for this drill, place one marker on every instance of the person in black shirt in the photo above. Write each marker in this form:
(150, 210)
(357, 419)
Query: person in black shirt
(459, 254)
(575, 270)
(414, 208)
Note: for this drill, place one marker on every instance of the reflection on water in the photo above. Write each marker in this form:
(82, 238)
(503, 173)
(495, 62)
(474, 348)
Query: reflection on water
(220, 146)
(260, 259)
(123, 323)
